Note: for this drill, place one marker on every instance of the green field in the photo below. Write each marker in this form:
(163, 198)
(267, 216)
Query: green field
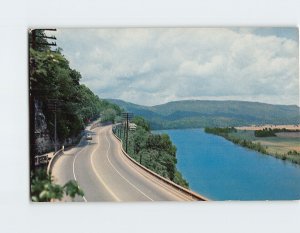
(278, 146)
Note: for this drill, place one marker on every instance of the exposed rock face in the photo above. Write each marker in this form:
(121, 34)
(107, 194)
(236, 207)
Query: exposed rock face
(43, 141)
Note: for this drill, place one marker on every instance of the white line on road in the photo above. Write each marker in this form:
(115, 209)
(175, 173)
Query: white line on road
(149, 177)
(120, 173)
(99, 177)
(74, 170)
(163, 187)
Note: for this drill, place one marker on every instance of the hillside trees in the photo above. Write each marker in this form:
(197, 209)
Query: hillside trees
(55, 90)
(52, 80)
(206, 113)
(154, 151)
(141, 122)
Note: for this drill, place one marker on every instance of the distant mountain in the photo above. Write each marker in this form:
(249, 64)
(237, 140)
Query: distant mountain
(203, 113)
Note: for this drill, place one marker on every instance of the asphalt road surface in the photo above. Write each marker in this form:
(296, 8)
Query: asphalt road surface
(105, 174)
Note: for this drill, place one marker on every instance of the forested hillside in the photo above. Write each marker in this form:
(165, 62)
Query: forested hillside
(205, 113)
(56, 87)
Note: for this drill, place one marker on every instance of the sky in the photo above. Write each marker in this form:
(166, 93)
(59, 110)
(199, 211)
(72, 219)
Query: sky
(151, 66)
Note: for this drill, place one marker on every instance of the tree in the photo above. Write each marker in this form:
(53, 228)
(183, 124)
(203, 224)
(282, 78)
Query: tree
(54, 83)
(108, 115)
(139, 138)
(154, 151)
(75, 76)
(141, 122)
(52, 78)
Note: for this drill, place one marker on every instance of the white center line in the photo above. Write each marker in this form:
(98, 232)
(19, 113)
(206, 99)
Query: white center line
(99, 177)
(120, 173)
(74, 171)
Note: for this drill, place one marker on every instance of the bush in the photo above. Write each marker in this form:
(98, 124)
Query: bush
(265, 133)
(153, 151)
(44, 190)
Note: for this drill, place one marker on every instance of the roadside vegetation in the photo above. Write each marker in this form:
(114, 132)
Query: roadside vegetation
(43, 189)
(153, 151)
(111, 113)
(52, 80)
(55, 87)
(248, 140)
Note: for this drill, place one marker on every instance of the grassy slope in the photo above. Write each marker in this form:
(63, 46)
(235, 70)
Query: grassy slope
(277, 146)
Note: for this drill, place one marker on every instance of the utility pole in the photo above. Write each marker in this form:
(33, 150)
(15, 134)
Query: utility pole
(126, 117)
(119, 132)
(127, 133)
(55, 134)
(34, 36)
(124, 130)
(54, 105)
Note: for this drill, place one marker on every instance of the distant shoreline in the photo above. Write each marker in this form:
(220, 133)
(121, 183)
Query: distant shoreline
(260, 127)
(261, 145)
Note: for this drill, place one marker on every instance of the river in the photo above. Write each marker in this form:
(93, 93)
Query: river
(221, 170)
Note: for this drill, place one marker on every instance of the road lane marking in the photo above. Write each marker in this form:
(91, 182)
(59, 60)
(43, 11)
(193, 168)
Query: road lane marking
(120, 173)
(158, 184)
(99, 177)
(74, 171)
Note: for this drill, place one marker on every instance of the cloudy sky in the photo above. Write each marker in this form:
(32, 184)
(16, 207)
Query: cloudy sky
(151, 66)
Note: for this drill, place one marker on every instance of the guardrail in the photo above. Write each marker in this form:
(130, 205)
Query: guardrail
(58, 153)
(185, 191)
(55, 157)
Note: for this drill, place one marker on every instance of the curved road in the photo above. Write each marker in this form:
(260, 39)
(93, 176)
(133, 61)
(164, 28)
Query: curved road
(105, 174)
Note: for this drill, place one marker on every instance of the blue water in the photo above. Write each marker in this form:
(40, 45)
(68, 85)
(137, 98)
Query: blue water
(221, 170)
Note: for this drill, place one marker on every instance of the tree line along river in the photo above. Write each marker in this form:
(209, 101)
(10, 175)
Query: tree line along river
(221, 170)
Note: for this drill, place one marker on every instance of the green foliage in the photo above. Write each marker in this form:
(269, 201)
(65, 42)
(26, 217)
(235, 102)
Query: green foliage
(268, 132)
(53, 79)
(141, 122)
(293, 152)
(110, 112)
(44, 190)
(264, 133)
(72, 189)
(178, 179)
(220, 131)
(140, 138)
(161, 142)
(153, 151)
(108, 115)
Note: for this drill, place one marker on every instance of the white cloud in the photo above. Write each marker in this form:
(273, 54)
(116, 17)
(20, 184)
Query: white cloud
(155, 65)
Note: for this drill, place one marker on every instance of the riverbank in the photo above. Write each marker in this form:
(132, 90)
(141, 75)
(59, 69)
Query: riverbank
(268, 126)
(221, 170)
(283, 146)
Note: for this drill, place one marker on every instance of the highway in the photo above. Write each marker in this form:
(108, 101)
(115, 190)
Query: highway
(106, 174)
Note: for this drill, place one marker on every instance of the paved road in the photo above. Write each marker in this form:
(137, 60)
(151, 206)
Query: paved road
(105, 174)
